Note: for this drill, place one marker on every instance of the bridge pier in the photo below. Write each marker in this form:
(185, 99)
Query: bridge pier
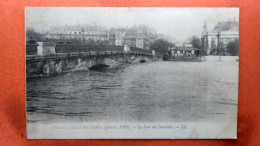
(34, 68)
(63, 64)
(52, 67)
(79, 60)
(88, 62)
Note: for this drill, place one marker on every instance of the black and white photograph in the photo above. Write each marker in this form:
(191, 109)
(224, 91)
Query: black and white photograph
(131, 72)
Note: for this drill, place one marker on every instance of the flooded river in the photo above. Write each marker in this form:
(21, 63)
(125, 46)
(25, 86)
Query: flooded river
(145, 92)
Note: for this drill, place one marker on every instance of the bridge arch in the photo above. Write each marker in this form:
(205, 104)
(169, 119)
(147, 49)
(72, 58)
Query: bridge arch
(98, 67)
(142, 61)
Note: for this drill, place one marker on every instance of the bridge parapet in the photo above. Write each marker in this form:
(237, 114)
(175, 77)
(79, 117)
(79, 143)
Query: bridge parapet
(86, 48)
(63, 52)
(64, 56)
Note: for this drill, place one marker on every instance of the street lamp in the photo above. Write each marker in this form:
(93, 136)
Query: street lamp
(83, 39)
(218, 36)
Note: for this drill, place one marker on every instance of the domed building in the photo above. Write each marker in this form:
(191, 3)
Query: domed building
(215, 41)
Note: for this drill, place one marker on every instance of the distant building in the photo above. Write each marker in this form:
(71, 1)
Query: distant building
(111, 39)
(140, 37)
(82, 34)
(218, 38)
(184, 50)
(137, 36)
(130, 37)
(119, 37)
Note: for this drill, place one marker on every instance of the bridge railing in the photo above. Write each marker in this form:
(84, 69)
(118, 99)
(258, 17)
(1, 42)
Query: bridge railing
(97, 48)
(86, 48)
(74, 51)
(140, 50)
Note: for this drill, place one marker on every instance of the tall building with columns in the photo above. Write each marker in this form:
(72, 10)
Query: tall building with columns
(218, 38)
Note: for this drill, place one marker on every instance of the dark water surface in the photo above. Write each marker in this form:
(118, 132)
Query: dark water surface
(145, 92)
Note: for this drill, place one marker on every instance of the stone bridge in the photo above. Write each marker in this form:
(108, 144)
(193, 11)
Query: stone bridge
(65, 59)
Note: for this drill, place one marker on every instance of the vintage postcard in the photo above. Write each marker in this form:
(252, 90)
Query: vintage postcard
(131, 73)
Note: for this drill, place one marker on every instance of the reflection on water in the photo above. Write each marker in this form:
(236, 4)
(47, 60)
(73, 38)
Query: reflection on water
(145, 92)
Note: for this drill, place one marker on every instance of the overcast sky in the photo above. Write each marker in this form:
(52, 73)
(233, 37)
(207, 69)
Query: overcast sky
(179, 24)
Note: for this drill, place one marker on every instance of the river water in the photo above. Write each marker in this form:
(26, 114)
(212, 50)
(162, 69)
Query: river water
(147, 92)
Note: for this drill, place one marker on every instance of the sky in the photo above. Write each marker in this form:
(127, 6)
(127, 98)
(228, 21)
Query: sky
(178, 24)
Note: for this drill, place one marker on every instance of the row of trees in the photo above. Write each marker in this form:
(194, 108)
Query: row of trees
(196, 42)
(31, 34)
(233, 47)
(161, 46)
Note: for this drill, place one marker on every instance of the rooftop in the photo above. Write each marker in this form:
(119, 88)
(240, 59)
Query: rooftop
(184, 48)
(227, 25)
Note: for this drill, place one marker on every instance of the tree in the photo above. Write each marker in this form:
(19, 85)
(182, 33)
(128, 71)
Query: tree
(233, 47)
(32, 34)
(161, 46)
(195, 41)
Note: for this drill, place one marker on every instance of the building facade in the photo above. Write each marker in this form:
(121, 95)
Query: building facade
(137, 36)
(140, 37)
(79, 34)
(119, 37)
(216, 40)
